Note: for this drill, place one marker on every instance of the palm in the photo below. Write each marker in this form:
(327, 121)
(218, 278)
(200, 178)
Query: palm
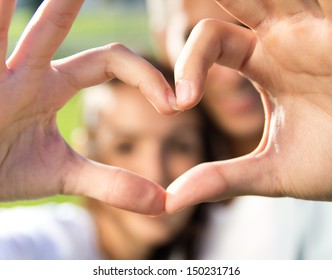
(300, 117)
(293, 55)
(36, 160)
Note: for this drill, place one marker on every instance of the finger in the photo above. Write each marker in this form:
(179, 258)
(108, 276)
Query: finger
(220, 180)
(210, 41)
(7, 8)
(326, 6)
(46, 31)
(115, 60)
(113, 186)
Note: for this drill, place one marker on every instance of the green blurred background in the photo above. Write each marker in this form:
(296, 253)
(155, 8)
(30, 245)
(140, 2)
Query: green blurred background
(100, 22)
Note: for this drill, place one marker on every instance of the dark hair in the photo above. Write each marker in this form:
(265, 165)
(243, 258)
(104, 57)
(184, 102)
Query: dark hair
(216, 141)
(188, 242)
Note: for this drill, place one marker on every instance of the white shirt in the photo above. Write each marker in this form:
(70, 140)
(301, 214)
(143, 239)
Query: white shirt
(268, 228)
(247, 228)
(50, 231)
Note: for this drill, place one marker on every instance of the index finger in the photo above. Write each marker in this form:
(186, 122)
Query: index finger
(46, 31)
(211, 41)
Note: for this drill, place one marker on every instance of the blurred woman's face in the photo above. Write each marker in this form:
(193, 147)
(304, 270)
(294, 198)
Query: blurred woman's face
(131, 134)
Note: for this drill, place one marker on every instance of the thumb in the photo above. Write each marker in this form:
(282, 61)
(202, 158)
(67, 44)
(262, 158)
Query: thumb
(114, 186)
(214, 181)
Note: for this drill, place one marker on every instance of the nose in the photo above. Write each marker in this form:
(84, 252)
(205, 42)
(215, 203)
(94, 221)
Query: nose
(152, 164)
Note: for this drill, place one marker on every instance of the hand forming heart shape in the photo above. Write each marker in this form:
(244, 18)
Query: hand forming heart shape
(293, 76)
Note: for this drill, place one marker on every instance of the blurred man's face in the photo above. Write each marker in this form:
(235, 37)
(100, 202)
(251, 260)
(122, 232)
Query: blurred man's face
(230, 99)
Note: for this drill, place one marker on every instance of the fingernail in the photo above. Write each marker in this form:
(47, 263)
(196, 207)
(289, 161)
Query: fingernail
(183, 92)
(172, 100)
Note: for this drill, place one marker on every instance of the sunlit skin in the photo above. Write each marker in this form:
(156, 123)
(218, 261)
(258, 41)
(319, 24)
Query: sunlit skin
(130, 134)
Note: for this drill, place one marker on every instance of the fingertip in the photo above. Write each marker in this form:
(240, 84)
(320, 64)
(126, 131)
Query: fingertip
(178, 195)
(183, 90)
(188, 94)
(172, 101)
(185, 97)
(157, 206)
(170, 207)
(165, 104)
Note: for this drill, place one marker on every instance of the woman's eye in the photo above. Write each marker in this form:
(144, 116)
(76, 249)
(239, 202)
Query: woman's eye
(124, 148)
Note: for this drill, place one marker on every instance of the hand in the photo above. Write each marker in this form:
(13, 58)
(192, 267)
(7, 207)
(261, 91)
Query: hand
(288, 58)
(35, 161)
